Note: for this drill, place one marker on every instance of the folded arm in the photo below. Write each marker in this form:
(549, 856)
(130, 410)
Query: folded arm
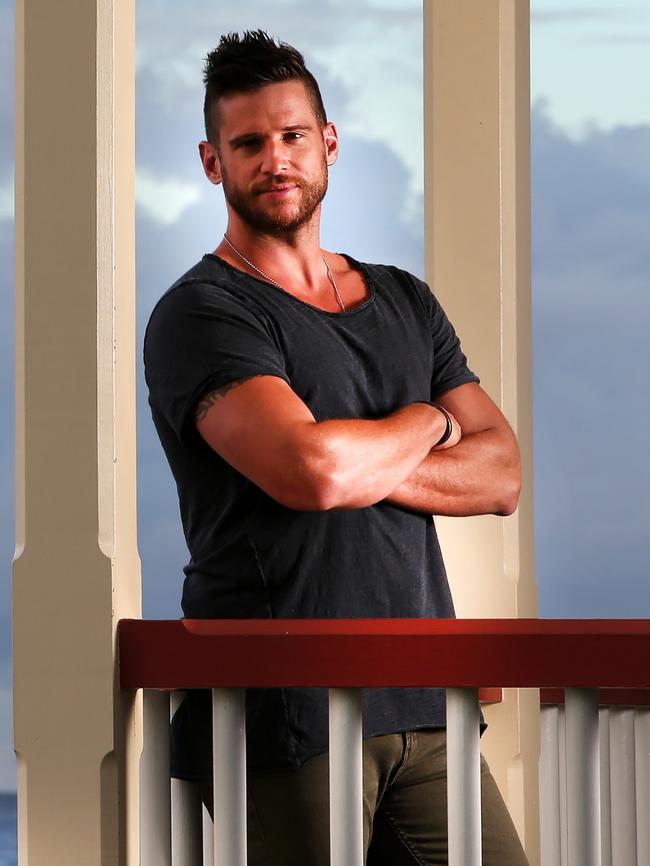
(262, 428)
(479, 475)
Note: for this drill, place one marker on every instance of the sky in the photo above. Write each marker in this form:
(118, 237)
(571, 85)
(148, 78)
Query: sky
(591, 221)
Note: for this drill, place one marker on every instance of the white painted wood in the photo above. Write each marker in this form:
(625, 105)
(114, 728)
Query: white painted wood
(623, 792)
(346, 777)
(229, 775)
(642, 768)
(187, 829)
(187, 824)
(155, 790)
(564, 844)
(463, 778)
(208, 839)
(605, 789)
(549, 788)
(78, 740)
(477, 231)
(583, 777)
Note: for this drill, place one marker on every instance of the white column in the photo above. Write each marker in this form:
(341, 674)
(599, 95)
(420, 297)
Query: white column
(187, 824)
(187, 814)
(583, 777)
(642, 755)
(463, 778)
(549, 789)
(208, 839)
(229, 775)
(155, 802)
(564, 844)
(76, 570)
(477, 245)
(346, 777)
(605, 789)
(623, 786)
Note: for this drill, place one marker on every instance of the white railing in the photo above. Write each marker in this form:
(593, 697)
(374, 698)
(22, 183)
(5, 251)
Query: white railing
(619, 805)
(584, 822)
(176, 829)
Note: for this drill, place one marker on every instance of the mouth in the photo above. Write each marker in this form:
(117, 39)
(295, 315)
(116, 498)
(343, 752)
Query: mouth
(279, 190)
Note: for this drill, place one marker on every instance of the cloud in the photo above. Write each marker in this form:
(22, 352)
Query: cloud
(621, 39)
(377, 82)
(7, 199)
(164, 199)
(591, 317)
(7, 756)
(582, 14)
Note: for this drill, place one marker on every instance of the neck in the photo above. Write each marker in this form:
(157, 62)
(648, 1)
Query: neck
(288, 258)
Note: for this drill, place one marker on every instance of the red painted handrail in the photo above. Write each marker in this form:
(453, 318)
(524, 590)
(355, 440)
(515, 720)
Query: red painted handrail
(606, 697)
(500, 653)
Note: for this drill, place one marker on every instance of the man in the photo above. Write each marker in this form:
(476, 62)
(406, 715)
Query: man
(315, 412)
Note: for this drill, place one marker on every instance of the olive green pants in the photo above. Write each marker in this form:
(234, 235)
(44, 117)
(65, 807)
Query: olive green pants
(404, 808)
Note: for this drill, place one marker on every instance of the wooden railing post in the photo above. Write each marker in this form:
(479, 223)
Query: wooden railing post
(76, 571)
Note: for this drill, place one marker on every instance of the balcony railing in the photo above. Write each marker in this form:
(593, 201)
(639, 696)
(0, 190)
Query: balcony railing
(578, 657)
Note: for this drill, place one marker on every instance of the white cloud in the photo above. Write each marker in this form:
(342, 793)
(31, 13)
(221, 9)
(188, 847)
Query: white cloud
(7, 199)
(581, 14)
(164, 198)
(371, 49)
(7, 757)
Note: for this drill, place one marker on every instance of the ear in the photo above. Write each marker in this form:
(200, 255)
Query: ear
(331, 139)
(210, 161)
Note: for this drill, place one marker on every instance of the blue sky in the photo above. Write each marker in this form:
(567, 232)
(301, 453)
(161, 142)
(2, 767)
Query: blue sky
(591, 213)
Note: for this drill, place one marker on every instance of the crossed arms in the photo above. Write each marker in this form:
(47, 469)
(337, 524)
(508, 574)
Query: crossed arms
(265, 431)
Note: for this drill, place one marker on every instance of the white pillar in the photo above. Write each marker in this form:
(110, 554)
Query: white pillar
(463, 778)
(642, 755)
(76, 568)
(229, 776)
(583, 777)
(549, 789)
(186, 812)
(155, 791)
(477, 242)
(346, 777)
(623, 786)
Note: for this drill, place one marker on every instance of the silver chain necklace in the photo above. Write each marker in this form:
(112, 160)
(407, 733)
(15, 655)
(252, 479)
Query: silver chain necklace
(330, 275)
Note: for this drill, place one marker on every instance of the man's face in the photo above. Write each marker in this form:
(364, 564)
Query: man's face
(273, 156)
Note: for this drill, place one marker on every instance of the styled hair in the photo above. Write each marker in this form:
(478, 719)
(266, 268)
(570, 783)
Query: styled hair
(241, 64)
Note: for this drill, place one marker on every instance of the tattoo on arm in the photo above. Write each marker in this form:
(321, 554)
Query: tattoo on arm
(208, 400)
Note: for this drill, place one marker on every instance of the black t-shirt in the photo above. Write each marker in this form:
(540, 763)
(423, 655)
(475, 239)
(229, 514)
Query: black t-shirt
(251, 556)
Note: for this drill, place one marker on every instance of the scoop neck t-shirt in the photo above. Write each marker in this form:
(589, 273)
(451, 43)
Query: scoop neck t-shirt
(253, 557)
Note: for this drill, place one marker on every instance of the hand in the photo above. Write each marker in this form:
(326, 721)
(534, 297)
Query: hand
(455, 437)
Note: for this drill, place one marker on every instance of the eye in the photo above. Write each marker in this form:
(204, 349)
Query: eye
(248, 144)
(293, 136)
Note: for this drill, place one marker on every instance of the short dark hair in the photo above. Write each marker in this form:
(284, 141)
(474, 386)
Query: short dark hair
(241, 64)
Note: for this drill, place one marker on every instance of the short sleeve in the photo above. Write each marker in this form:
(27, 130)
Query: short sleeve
(449, 362)
(201, 337)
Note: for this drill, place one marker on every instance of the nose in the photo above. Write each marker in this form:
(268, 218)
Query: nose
(274, 158)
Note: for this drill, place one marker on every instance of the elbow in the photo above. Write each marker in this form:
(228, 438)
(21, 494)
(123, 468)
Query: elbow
(313, 482)
(509, 499)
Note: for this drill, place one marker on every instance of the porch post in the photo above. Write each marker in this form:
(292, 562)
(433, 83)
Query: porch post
(76, 569)
(477, 241)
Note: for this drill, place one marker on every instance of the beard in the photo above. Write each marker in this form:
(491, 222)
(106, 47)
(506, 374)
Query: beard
(287, 217)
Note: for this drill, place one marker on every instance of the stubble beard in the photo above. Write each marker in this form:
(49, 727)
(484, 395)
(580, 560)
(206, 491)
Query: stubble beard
(285, 220)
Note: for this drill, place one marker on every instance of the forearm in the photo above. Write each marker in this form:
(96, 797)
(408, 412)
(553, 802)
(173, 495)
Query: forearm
(263, 429)
(355, 463)
(479, 475)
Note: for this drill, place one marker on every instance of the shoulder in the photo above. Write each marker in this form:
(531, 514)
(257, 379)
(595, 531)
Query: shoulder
(207, 291)
(204, 283)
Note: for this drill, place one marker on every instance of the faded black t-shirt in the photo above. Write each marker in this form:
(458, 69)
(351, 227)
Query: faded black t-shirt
(251, 556)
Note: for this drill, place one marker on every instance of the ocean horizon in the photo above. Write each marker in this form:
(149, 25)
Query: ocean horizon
(8, 833)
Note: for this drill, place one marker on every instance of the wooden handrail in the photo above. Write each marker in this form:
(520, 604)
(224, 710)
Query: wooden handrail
(500, 653)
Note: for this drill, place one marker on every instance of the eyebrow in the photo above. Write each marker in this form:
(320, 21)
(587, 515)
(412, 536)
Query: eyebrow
(293, 127)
